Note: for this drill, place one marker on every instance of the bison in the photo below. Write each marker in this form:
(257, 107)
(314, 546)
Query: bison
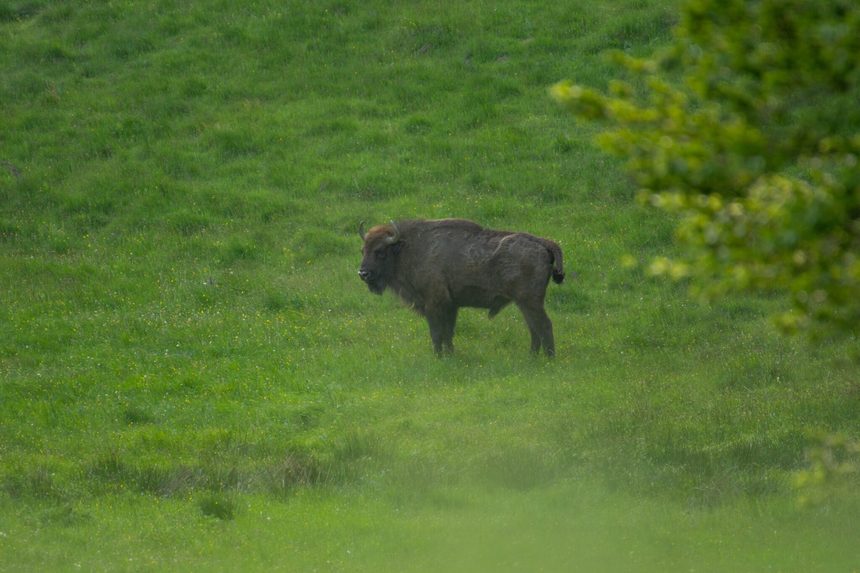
(437, 267)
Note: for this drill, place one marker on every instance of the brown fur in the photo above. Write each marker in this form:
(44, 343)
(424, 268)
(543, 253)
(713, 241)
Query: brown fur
(439, 266)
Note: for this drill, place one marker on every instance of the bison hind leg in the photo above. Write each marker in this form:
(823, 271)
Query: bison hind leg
(540, 328)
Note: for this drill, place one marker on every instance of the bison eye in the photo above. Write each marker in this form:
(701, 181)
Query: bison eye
(380, 254)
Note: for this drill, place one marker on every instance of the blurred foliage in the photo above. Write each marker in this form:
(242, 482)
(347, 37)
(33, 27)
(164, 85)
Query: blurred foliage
(748, 128)
(832, 464)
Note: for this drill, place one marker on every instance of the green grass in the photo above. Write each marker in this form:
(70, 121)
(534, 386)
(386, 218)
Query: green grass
(193, 377)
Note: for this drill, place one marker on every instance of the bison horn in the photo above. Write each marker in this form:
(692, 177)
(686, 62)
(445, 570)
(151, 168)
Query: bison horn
(361, 230)
(396, 236)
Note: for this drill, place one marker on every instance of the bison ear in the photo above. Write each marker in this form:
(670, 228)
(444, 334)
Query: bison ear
(395, 248)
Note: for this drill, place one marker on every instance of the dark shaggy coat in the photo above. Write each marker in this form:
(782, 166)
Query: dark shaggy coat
(439, 266)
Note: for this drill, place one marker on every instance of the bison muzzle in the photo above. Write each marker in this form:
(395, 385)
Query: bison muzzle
(437, 267)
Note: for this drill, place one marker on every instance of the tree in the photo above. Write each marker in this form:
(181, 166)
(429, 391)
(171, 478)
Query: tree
(748, 128)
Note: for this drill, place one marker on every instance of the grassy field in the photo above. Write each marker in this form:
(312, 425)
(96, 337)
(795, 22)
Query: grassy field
(192, 377)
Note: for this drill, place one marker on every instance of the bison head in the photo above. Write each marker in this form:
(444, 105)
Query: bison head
(381, 245)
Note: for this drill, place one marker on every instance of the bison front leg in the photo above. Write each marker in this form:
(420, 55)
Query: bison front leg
(540, 328)
(442, 322)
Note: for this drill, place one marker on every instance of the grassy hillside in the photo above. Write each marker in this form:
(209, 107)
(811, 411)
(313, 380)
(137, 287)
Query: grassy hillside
(193, 377)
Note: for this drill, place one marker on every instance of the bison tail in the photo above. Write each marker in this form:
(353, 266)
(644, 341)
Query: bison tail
(557, 261)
